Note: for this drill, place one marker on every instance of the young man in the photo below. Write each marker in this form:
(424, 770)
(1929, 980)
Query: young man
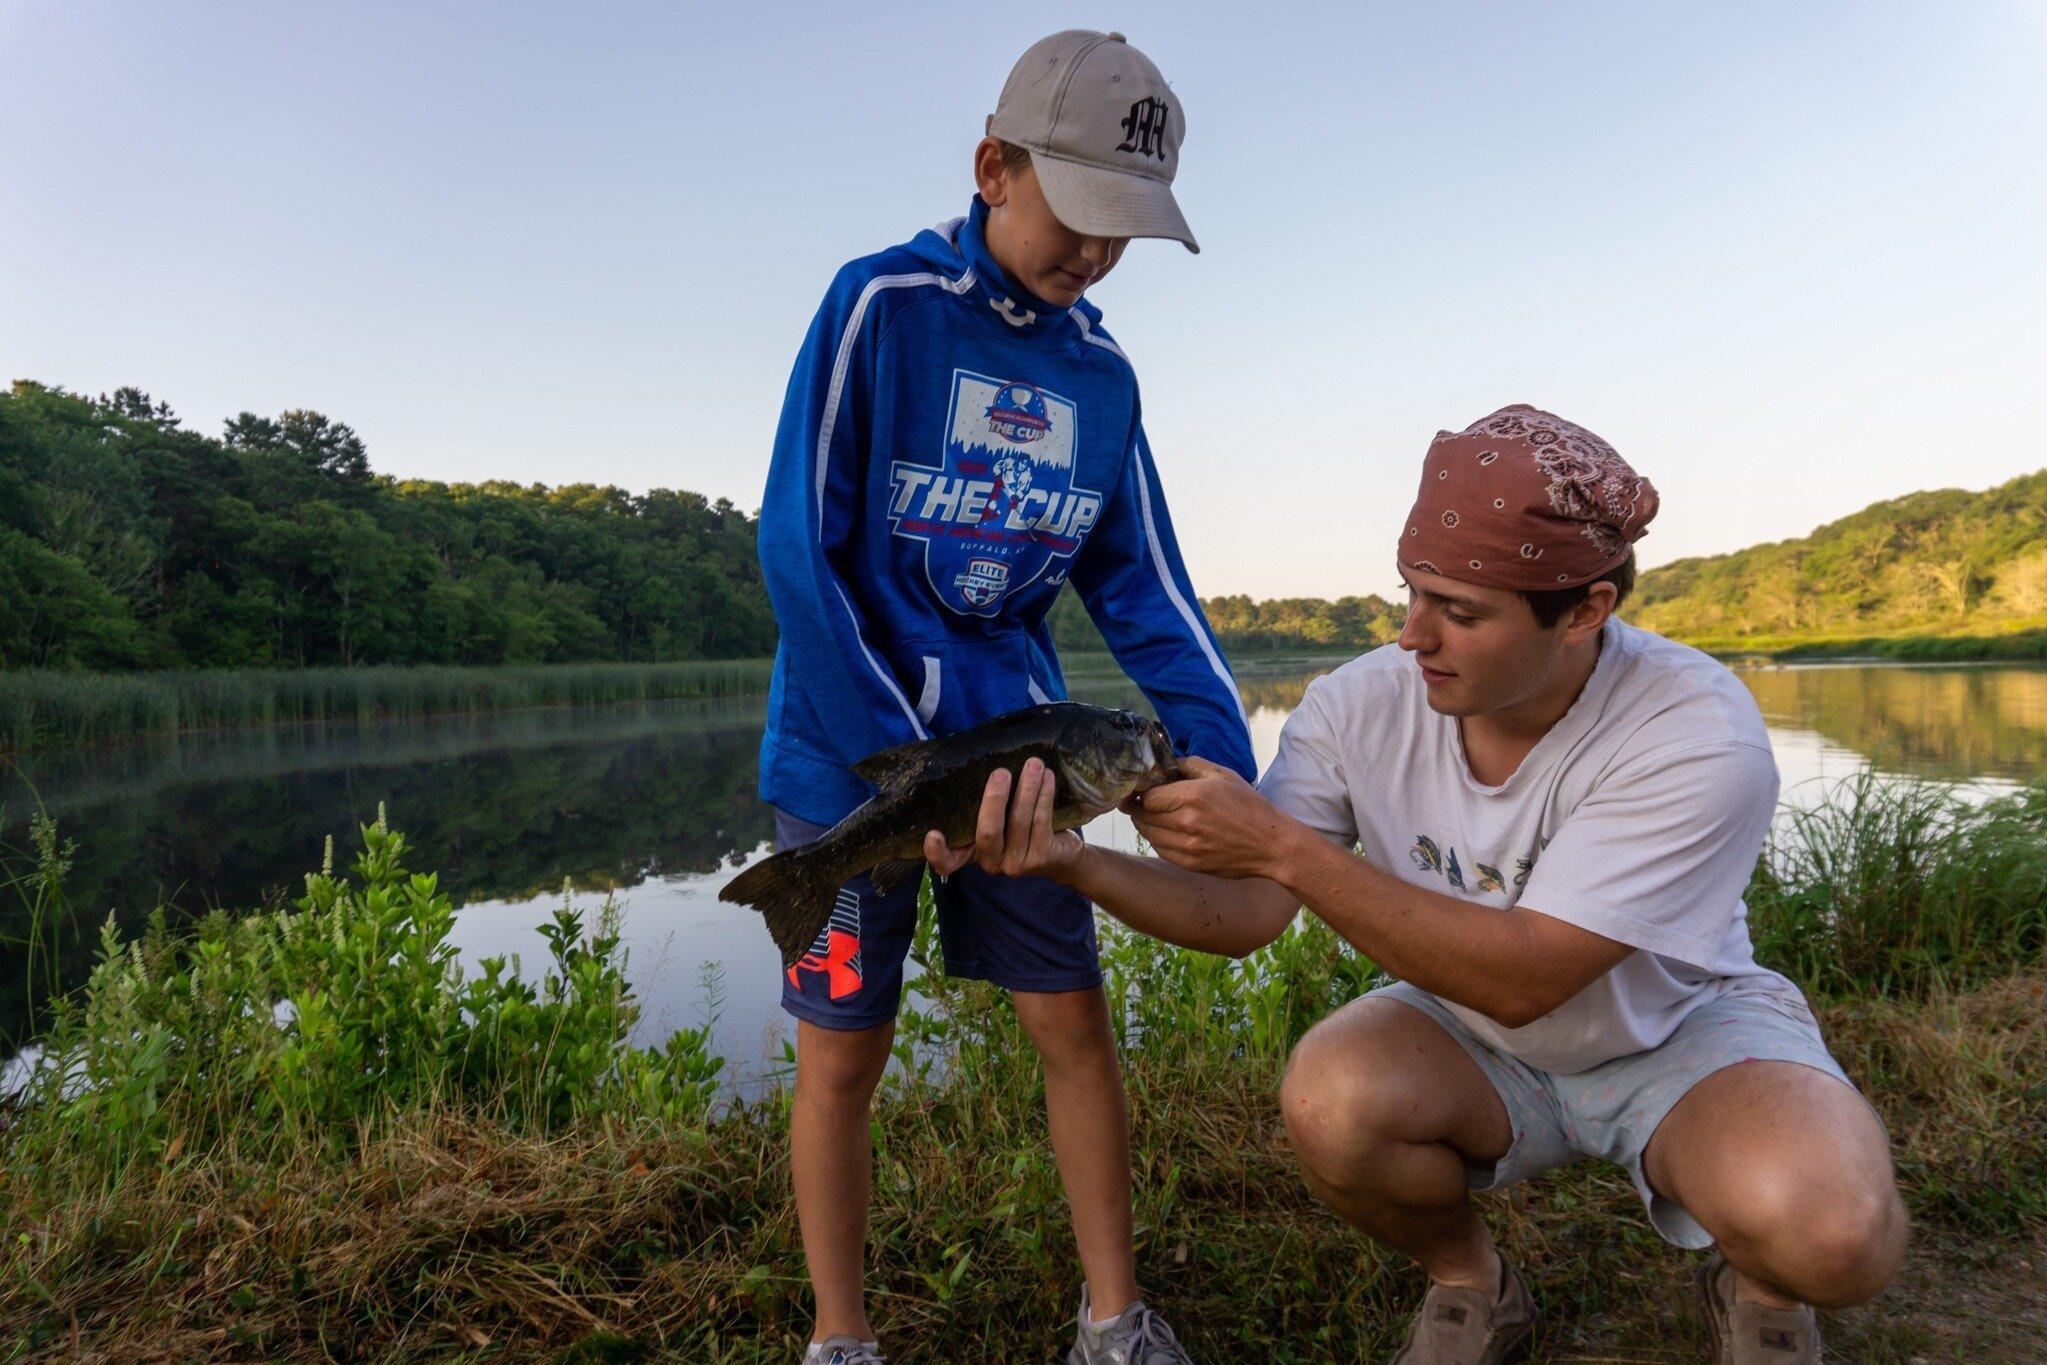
(960, 438)
(1557, 814)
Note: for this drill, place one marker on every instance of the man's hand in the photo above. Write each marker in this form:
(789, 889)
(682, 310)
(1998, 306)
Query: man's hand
(1213, 821)
(1014, 837)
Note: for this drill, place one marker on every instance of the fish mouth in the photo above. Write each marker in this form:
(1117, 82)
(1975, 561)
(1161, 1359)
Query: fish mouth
(1160, 764)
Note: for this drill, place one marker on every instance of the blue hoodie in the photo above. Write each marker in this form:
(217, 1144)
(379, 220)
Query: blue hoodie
(951, 451)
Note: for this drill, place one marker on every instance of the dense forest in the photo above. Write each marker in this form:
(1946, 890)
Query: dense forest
(1310, 625)
(1937, 563)
(130, 542)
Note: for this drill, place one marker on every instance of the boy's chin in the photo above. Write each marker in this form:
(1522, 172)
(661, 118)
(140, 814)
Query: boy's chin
(1062, 295)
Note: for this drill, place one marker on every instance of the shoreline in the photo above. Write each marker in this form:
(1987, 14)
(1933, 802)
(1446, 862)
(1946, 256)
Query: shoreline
(44, 709)
(515, 1177)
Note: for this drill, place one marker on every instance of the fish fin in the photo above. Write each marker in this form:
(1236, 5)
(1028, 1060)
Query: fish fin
(900, 764)
(794, 895)
(886, 875)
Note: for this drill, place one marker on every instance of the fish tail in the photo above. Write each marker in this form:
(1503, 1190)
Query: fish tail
(794, 892)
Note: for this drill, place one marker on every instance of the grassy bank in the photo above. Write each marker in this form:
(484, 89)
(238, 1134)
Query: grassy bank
(424, 1166)
(47, 707)
(2023, 643)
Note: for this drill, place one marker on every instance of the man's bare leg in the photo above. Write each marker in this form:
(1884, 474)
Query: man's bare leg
(831, 1159)
(1090, 1124)
(1791, 1173)
(1384, 1109)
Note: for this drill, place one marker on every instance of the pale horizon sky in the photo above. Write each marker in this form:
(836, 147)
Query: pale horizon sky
(1787, 258)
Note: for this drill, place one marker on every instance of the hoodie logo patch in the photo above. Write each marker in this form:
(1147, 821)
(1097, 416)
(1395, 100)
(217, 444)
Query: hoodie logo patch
(1000, 508)
(983, 581)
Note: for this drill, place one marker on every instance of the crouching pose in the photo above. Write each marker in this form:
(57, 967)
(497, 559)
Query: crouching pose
(1557, 814)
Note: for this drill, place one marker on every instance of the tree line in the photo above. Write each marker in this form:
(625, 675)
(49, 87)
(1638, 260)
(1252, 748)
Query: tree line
(1937, 562)
(128, 541)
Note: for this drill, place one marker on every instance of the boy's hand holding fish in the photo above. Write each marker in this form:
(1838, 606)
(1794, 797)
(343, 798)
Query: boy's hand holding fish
(1210, 821)
(1014, 837)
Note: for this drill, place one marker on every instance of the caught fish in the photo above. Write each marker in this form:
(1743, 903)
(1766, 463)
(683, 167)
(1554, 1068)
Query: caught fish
(1099, 756)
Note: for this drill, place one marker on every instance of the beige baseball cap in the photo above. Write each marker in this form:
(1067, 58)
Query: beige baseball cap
(1103, 131)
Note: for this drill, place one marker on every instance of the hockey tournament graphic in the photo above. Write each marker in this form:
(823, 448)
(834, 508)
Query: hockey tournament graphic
(1001, 504)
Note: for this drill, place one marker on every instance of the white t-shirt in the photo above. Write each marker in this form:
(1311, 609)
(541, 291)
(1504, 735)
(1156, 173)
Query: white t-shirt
(1639, 817)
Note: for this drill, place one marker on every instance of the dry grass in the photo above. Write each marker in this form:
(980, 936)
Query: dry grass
(447, 1237)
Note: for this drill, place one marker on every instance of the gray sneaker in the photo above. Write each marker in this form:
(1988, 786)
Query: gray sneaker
(1138, 1336)
(1463, 1327)
(844, 1351)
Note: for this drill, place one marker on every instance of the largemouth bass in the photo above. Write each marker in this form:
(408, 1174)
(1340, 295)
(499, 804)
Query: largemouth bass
(1099, 756)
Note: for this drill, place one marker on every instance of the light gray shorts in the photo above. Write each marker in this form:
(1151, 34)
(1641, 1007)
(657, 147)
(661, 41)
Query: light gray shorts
(1613, 1110)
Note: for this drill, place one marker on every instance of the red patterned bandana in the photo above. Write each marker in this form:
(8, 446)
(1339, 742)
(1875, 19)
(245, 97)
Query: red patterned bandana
(1523, 499)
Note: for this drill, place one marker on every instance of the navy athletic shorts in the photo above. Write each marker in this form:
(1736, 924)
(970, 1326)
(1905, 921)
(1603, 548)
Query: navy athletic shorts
(1022, 933)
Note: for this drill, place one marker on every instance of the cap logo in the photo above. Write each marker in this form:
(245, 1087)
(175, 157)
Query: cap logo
(1144, 128)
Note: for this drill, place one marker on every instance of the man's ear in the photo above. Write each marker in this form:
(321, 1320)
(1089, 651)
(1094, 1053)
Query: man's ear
(989, 176)
(1588, 617)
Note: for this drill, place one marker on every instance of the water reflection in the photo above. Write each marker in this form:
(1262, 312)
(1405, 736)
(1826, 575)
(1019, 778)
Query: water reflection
(503, 806)
(656, 800)
(1956, 724)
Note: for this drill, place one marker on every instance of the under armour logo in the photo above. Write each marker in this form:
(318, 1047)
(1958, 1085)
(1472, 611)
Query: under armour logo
(1007, 310)
(1144, 128)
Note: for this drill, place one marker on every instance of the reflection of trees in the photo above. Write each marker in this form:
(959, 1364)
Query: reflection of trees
(1280, 692)
(1276, 686)
(660, 795)
(504, 806)
(83, 777)
(1949, 723)
(1941, 722)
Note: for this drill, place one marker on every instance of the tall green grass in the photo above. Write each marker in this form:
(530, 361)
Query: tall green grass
(46, 707)
(309, 1135)
(309, 1026)
(32, 889)
(1891, 887)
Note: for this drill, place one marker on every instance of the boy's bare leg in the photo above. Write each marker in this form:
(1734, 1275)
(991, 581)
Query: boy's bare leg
(1384, 1108)
(831, 1159)
(1085, 1108)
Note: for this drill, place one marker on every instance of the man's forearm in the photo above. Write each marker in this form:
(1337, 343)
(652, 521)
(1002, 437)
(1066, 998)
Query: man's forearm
(1188, 908)
(1472, 955)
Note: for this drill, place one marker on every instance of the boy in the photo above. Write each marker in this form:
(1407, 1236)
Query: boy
(961, 438)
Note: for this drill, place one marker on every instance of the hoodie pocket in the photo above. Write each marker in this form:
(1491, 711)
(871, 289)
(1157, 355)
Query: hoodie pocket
(933, 689)
(954, 685)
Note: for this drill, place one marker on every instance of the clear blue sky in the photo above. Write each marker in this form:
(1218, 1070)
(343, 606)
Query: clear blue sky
(1789, 258)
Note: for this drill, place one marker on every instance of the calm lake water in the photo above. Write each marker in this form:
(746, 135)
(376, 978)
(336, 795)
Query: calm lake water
(656, 801)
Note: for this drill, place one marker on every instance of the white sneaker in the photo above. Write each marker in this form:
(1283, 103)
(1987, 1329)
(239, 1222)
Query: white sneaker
(844, 1351)
(1137, 1336)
